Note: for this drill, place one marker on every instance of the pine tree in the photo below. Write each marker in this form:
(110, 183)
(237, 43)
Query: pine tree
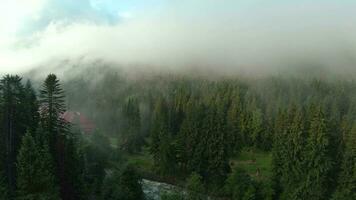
(35, 172)
(13, 125)
(235, 138)
(52, 107)
(72, 170)
(97, 154)
(161, 140)
(123, 184)
(278, 153)
(131, 139)
(191, 140)
(216, 149)
(4, 191)
(63, 144)
(195, 187)
(240, 186)
(294, 155)
(347, 180)
(31, 108)
(318, 161)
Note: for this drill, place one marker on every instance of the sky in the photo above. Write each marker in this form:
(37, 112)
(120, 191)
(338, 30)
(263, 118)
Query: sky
(256, 36)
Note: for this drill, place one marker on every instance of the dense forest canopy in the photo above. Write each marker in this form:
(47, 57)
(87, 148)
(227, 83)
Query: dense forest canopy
(177, 100)
(271, 137)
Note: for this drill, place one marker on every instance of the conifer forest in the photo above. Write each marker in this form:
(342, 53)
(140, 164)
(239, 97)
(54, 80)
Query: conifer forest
(226, 138)
(177, 100)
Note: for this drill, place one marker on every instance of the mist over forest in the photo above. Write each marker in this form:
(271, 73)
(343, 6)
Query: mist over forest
(177, 100)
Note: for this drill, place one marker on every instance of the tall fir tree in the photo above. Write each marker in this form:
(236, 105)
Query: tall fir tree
(347, 179)
(35, 172)
(131, 139)
(52, 106)
(123, 184)
(316, 184)
(161, 147)
(13, 125)
(63, 144)
(235, 137)
(31, 108)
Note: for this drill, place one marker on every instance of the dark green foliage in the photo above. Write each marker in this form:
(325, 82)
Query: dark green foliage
(4, 192)
(72, 170)
(161, 140)
(195, 187)
(347, 179)
(13, 125)
(64, 145)
(52, 106)
(97, 154)
(123, 184)
(31, 108)
(195, 125)
(190, 140)
(172, 196)
(35, 172)
(318, 160)
(131, 139)
(236, 140)
(240, 186)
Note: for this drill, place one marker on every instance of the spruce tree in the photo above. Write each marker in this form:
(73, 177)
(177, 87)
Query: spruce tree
(131, 139)
(318, 161)
(35, 172)
(63, 144)
(52, 107)
(195, 187)
(31, 108)
(294, 155)
(240, 186)
(235, 137)
(347, 180)
(161, 147)
(13, 125)
(191, 140)
(123, 184)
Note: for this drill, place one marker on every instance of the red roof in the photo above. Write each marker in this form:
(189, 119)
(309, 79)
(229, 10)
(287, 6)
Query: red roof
(78, 118)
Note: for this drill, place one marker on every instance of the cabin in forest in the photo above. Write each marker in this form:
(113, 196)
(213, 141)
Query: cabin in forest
(80, 120)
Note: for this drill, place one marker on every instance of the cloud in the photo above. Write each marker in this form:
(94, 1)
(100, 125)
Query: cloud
(223, 36)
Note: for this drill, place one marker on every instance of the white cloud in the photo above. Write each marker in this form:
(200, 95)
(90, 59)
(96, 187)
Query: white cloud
(215, 37)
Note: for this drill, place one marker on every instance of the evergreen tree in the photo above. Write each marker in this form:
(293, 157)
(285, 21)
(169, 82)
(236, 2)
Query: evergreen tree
(235, 138)
(13, 125)
(3, 189)
(279, 151)
(216, 150)
(35, 172)
(347, 180)
(163, 151)
(240, 186)
(63, 144)
(294, 154)
(195, 187)
(31, 108)
(97, 154)
(124, 184)
(318, 161)
(52, 107)
(191, 140)
(131, 139)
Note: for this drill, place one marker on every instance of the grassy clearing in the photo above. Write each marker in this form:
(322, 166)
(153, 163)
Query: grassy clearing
(255, 162)
(143, 160)
(113, 142)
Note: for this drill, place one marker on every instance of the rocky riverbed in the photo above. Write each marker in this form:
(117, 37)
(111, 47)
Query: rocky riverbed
(153, 189)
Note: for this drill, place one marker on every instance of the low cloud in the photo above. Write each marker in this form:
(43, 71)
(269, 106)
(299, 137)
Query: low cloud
(222, 36)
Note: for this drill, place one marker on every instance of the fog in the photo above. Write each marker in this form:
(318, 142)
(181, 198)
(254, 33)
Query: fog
(218, 36)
